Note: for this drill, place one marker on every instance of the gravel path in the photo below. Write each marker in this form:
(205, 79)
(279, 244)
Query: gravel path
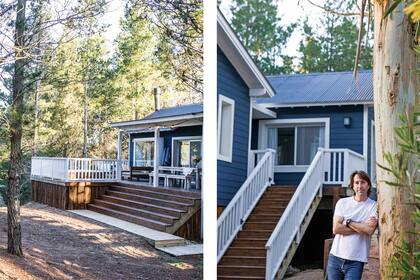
(61, 245)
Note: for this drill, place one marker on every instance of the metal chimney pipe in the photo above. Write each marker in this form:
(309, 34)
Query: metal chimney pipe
(156, 92)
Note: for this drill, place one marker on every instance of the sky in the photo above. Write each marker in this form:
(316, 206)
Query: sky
(289, 11)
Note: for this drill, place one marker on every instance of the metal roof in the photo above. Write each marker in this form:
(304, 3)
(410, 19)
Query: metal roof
(175, 111)
(321, 88)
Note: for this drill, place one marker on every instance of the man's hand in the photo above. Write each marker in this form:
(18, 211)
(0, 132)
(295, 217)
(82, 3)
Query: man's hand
(339, 228)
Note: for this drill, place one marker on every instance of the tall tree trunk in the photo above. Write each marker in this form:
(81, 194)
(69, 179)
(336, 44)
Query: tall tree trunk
(14, 244)
(395, 87)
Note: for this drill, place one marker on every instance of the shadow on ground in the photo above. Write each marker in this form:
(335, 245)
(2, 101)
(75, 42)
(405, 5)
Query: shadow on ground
(61, 245)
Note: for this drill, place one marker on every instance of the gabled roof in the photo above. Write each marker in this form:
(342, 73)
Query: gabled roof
(183, 115)
(315, 89)
(235, 51)
(176, 111)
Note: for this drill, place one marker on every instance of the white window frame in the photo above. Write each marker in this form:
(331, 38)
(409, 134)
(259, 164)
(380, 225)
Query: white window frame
(191, 138)
(224, 99)
(263, 135)
(372, 153)
(135, 140)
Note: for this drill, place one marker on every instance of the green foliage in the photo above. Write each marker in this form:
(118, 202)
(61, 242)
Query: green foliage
(405, 166)
(335, 48)
(257, 25)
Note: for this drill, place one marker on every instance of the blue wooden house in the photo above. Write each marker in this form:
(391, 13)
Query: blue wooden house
(285, 143)
(157, 185)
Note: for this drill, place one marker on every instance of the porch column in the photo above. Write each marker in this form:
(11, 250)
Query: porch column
(156, 159)
(119, 155)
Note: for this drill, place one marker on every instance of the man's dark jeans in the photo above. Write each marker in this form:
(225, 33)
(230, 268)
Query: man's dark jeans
(341, 269)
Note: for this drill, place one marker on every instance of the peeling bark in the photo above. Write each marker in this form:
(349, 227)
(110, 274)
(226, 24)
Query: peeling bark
(395, 88)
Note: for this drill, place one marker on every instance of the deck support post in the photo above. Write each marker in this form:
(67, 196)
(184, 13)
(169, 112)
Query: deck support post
(156, 159)
(119, 155)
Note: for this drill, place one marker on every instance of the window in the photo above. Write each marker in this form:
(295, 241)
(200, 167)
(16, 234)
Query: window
(226, 112)
(144, 150)
(186, 152)
(296, 141)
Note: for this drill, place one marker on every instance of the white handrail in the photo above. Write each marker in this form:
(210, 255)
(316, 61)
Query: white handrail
(241, 205)
(75, 169)
(329, 166)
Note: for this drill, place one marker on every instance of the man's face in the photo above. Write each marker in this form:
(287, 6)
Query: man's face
(360, 186)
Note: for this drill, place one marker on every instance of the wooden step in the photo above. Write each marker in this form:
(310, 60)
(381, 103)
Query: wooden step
(246, 251)
(155, 201)
(222, 277)
(184, 193)
(136, 211)
(147, 206)
(257, 217)
(241, 270)
(243, 260)
(259, 225)
(250, 242)
(152, 194)
(130, 218)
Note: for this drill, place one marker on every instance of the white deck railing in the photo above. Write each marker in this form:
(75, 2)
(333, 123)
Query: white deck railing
(330, 166)
(241, 205)
(75, 169)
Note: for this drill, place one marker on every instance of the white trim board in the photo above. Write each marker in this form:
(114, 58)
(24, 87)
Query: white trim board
(229, 141)
(263, 134)
(365, 133)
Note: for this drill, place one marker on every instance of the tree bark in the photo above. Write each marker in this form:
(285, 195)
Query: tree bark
(14, 244)
(395, 88)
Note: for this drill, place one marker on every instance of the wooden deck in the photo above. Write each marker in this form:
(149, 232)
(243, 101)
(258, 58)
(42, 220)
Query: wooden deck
(171, 210)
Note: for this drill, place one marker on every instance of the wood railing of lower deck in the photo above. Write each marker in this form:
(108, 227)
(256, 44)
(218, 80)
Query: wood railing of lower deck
(241, 205)
(75, 169)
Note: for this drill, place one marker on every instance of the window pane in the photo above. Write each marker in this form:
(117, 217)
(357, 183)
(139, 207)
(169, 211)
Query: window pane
(226, 123)
(309, 139)
(144, 153)
(195, 152)
(286, 146)
(184, 153)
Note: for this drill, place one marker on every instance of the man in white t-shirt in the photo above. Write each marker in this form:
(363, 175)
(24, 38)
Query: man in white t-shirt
(355, 220)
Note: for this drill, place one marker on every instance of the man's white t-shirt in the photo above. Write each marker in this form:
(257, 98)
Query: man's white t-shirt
(356, 246)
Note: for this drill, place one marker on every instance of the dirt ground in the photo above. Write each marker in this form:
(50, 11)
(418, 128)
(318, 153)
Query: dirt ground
(61, 245)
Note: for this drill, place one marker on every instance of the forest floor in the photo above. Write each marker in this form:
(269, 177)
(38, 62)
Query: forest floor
(58, 244)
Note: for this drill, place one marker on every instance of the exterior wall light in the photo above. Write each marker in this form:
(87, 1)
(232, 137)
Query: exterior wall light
(347, 121)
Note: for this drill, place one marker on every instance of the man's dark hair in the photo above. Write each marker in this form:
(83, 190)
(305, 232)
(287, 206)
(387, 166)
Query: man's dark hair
(364, 176)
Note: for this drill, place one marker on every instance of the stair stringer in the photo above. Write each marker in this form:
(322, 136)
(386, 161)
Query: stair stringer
(293, 247)
(184, 217)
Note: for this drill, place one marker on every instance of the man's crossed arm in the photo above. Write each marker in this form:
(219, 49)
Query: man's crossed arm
(368, 226)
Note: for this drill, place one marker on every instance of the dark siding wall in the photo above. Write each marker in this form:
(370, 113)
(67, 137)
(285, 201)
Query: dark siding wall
(167, 136)
(340, 136)
(230, 176)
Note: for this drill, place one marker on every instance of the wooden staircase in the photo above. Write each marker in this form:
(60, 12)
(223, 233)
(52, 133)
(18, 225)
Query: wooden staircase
(162, 209)
(246, 256)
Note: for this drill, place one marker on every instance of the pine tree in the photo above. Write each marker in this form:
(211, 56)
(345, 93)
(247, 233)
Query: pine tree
(257, 25)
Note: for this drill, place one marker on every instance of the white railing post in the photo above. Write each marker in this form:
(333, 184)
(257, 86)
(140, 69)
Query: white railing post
(346, 171)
